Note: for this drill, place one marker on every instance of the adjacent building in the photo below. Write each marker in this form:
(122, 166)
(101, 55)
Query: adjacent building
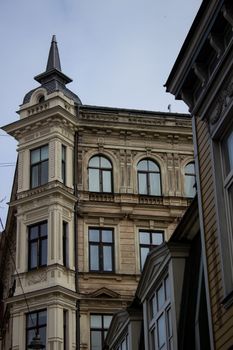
(202, 77)
(96, 188)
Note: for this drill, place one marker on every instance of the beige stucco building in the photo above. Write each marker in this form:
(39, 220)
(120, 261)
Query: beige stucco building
(95, 189)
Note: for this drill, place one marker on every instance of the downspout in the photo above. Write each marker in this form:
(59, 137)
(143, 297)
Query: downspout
(75, 177)
(201, 220)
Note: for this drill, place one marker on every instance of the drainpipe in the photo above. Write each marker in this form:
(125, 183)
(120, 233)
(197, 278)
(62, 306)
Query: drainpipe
(75, 173)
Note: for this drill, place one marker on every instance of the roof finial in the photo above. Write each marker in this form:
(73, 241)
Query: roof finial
(53, 59)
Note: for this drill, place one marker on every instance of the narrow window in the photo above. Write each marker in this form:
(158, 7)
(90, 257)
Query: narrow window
(101, 250)
(99, 327)
(190, 180)
(100, 174)
(149, 178)
(65, 243)
(65, 329)
(63, 164)
(37, 245)
(149, 240)
(36, 323)
(39, 166)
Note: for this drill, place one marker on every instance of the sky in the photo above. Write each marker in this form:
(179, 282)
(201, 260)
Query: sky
(119, 53)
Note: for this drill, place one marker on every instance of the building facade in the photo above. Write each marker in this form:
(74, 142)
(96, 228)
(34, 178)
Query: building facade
(97, 188)
(202, 77)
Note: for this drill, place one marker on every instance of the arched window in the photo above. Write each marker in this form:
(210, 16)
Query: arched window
(149, 179)
(190, 180)
(100, 174)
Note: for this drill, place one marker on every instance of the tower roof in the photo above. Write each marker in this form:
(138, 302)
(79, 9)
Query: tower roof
(53, 79)
(53, 59)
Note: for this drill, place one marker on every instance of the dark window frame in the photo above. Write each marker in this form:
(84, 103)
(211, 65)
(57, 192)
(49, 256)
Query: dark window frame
(63, 163)
(101, 171)
(150, 245)
(37, 240)
(39, 165)
(190, 175)
(147, 173)
(36, 327)
(102, 329)
(65, 250)
(100, 246)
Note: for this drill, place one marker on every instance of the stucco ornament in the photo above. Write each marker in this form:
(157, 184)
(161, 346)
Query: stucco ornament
(223, 101)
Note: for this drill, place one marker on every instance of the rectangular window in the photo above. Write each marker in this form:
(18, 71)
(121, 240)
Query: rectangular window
(36, 323)
(65, 244)
(39, 166)
(99, 327)
(101, 249)
(160, 322)
(37, 245)
(63, 164)
(147, 241)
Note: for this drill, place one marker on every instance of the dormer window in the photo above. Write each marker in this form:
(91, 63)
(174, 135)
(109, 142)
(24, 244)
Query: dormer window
(41, 99)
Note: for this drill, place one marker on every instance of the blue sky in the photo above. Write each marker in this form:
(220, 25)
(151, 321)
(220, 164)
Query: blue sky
(119, 53)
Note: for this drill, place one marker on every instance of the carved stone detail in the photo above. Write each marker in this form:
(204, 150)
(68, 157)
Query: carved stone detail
(223, 101)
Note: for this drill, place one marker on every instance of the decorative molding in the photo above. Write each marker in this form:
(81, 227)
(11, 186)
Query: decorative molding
(223, 101)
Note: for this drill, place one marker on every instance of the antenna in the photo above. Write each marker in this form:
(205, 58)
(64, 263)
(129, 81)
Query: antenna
(169, 107)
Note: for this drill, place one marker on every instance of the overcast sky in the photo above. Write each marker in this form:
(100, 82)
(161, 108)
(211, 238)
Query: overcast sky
(119, 53)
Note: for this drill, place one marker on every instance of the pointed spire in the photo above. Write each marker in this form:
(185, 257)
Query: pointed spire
(53, 59)
(53, 70)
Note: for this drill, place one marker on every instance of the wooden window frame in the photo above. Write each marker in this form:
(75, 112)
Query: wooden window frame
(101, 170)
(147, 172)
(39, 164)
(38, 240)
(35, 327)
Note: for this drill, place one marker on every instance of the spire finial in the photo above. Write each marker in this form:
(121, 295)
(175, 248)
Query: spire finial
(53, 59)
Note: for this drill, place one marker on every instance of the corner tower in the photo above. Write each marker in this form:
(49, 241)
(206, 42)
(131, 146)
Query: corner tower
(45, 261)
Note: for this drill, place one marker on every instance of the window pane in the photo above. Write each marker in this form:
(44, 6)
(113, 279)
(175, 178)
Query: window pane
(189, 186)
(33, 232)
(35, 156)
(107, 236)
(31, 319)
(160, 297)
(161, 331)
(107, 185)
(144, 252)
(169, 322)
(42, 319)
(155, 186)
(228, 152)
(142, 165)
(107, 258)
(142, 183)
(167, 288)
(44, 172)
(44, 152)
(94, 180)
(105, 163)
(63, 153)
(107, 320)
(230, 195)
(94, 257)
(35, 176)
(30, 335)
(96, 321)
(94, 235)
(153, 166)
(33, 255)
(157, 238)
(43, 253)
(190, 169)
(144, 237)
(96, 343)
(42, 333)
(43, 230)
(152, 339)
(94, 162)
(123, 345)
